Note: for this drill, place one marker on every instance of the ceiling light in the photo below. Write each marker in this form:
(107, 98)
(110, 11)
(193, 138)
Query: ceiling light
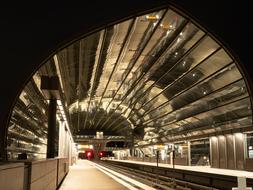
(152, 18)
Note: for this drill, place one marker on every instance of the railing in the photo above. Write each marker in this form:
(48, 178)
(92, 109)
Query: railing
(178, 161)
(12, 176)
(28, 175)
(249, 164)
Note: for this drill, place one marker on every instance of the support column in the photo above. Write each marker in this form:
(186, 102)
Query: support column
(132, 145)
(61, 139)
(70, 151)
(189, 153)
(172, 155)
(66, 152)
(51, 131)
(50, 89)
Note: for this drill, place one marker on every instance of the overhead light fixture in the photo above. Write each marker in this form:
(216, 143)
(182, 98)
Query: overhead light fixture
(152, 17)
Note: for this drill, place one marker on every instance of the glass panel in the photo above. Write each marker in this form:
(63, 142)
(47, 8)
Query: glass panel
(250, 145)
(232, 111)
(200, 153)
(111, 63)
(27, 130)
(200, 53)
(190, 35)
(195, 76)
(161, 39)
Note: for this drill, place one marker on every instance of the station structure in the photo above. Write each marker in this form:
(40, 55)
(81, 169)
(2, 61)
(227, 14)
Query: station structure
(154, 90)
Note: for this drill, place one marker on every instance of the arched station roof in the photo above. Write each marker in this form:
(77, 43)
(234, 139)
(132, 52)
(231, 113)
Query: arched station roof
(158, 76)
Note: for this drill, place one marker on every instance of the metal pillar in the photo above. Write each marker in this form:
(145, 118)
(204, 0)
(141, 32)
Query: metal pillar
(66, 151)
(51, 130)
(157, 157)
(189, 153)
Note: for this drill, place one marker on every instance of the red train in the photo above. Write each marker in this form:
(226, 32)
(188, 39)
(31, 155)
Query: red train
(89, 154)
(86, 154)
(104, 154)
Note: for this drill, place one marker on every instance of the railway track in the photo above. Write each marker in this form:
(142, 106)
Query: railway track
(154, 180)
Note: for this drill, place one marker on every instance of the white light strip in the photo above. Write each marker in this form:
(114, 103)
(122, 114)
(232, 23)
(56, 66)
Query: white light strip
(69, 131)
(62, 111)
(137, 183)
(58, 70)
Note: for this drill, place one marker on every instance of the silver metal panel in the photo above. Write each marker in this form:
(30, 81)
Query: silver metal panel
(222, 151)
(214, 152)
(230, 152)
(239, 151)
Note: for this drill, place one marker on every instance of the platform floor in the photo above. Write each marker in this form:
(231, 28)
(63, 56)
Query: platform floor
(84, 176)
(206, 169)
